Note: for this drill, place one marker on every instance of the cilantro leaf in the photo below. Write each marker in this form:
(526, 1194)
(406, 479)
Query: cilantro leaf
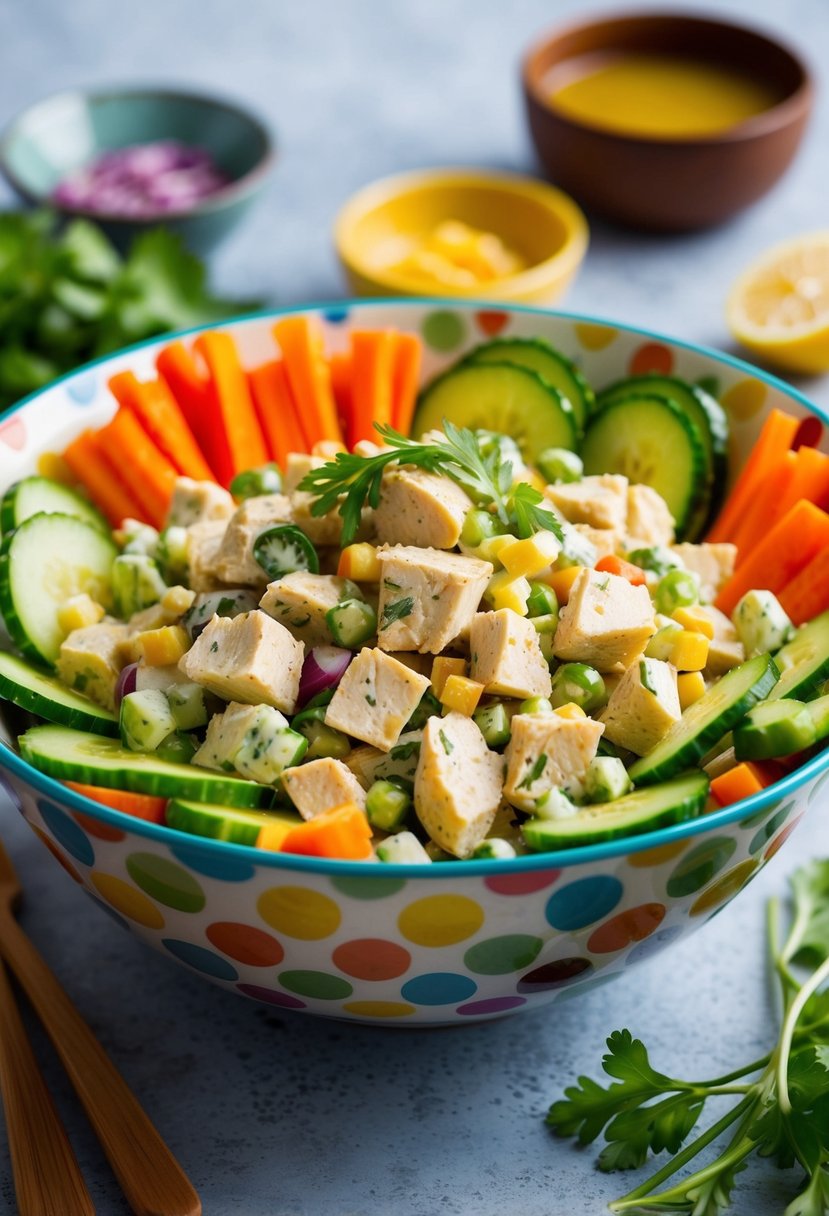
(810, 889)
(528, 516)
(398, 610)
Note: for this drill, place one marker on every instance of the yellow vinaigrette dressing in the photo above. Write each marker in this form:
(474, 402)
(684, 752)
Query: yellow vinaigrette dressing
(657, 95)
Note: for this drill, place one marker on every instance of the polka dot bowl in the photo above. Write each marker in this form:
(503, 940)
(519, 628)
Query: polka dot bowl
(456, 942)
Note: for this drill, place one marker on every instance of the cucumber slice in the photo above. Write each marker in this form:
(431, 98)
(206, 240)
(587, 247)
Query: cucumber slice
(642, 811)
(774, 728)
(803, 662)
(650, 440)
(42, 563)
(500, 397)
(539, 356)
(30, 688)
(706, 721)
(72, 755)
(36, 495)
(224, 823)
(146, 720)
(819, 712)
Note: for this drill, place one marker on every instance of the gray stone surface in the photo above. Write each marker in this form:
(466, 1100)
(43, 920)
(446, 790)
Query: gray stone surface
(280, 1116)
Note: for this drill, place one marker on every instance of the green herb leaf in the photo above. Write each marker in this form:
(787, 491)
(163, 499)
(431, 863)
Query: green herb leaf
(448, 745)
(529, 516)
(534, 773)
(398, 610)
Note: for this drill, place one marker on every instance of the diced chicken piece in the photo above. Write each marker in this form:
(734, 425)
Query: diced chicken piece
(606, 622)
(420, 508)
(203, 543)
(600, 501)
(158, 677)
(195, 502)
(457, 788)
(321, 785)
(712, 563)
(649, 522)
(427, 597)
(301, 600)
(249, 658)
(375, 699)
(506, 655)
(235, 562)
(253, 740)
(225, 736)
(369, 764)
(545, 752)
(320, 529)
(606, 541)
(643, 706)
(297, 464)
(367, 447)
(91, 659)
(725, 650)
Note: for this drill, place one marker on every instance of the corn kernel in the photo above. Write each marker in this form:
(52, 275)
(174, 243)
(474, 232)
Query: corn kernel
(690, 685)
(530, 556)
(461, 695)
(442, 669)
(489, 549)
(696, 621)
(689, 651)
(161, 647)
(562, 581)
(570, 710)
(176, 600)
(359, 562)
(78, 612)
(504, 591)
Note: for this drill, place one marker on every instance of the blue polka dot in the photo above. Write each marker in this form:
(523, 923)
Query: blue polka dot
(66, 832)
(653, 944)
(213, 865)
(582, 902)
(201, 959)
(336, 316)
(82, 389)
(438, 988)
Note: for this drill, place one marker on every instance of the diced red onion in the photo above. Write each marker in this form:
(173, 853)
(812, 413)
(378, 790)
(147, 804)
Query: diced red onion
(126, 683)
(323, 668)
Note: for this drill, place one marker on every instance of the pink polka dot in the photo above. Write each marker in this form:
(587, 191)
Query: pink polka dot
(495, 1004)
(270, 997)
(13, 434)
(652, 357)
(522, 884)
(808, 434)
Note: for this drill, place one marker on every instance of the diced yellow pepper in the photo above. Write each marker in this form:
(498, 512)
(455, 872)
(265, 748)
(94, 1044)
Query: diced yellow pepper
(689, 651)
(530, 556)
(442, 669)
(78, 612)
(489, 550)
(461, 695)
(164, 646)
(359, 562)
(690, 685)
(697, 622)
(176, 600)
(53, 466)
(275, 827)
(562, 581)
(570, 710)
(504, 591)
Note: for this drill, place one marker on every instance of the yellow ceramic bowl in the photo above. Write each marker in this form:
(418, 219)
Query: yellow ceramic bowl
(379, 225)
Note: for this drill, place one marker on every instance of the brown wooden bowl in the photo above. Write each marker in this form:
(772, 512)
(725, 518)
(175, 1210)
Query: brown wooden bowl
(669, 184)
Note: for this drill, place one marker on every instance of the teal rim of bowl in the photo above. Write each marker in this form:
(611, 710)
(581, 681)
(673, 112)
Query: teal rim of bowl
(238, 188)
(584, 854)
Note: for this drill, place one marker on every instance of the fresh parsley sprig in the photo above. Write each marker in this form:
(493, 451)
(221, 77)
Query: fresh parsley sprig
(782, 1106)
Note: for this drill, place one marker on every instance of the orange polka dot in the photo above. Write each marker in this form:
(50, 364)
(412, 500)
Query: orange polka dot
(379, 1009)
(744, 399)
(652, 357)
(128, 900)
(726, 886)
(634, 925)
(56, 853)
(372, 958)
(655, 857)
(94, 827)
(595, 337)
(245, 943)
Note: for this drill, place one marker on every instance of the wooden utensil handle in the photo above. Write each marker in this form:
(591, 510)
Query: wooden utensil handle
(153, 1182)
(47, 1180)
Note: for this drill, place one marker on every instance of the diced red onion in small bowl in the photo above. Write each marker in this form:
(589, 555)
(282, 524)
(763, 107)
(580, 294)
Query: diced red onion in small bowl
(126, 683)
(323, 668)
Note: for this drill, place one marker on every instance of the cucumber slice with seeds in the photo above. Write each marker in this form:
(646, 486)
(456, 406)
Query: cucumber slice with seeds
(500, 397)
(803, 662)
(539, 356)
(30, 688)
(36, 495)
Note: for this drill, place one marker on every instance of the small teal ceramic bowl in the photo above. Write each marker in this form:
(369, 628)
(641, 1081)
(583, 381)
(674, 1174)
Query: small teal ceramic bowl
(56, 136)
(454, 942)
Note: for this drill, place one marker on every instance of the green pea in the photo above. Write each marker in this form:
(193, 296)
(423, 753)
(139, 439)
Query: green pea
(580, 684)
(657, 559)
(676, 589)
(251, 483)
(542, 600)
(387, 806)
(535, 705)
(560, 464)
(478, 526)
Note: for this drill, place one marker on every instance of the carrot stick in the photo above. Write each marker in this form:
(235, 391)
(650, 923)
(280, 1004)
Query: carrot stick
(126, 446)
(276, 410)
(405, 381)
(340, 366)
(790, 545)
(240, 437)
(807, 594)
(140, 806)
(177, 368)
(765, 510)
(301, 341)
(372, 358)
(106, 490)
(343, 831)
(611, 564)
(810, 479)
(157, 410)
(776, 436)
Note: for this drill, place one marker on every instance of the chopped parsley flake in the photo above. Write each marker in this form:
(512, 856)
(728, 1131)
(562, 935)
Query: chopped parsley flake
(448, 745)
(397, 610)
(535, 772)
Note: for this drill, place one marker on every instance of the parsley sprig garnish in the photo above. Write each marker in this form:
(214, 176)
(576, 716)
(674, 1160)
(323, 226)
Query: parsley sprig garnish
(782, 1100)
(349, 482)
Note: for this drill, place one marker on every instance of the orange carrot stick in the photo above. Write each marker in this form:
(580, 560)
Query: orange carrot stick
(107, 491)
(611, 564)
(340, 366)
(405, 381)
(276, 410)
(776, 436)
(140, 806)
(807, 594)
(790, 545)
(810, 479)
(372, 359)
(126, 446)
(301, 341)
(177, 368)
(765, 510)
(157, 410)
(240, 439)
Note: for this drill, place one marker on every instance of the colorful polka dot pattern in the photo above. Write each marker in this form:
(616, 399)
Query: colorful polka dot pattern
(378, 948)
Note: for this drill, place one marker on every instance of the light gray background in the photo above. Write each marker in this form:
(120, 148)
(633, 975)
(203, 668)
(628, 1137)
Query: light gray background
(280, 1116)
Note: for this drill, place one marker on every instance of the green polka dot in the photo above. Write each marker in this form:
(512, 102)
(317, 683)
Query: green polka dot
(443, 330)
(768, 829)
(317, 984)
(698, 867)
(166, 882)
(368, 888)
(751, 821)
(501, 955)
